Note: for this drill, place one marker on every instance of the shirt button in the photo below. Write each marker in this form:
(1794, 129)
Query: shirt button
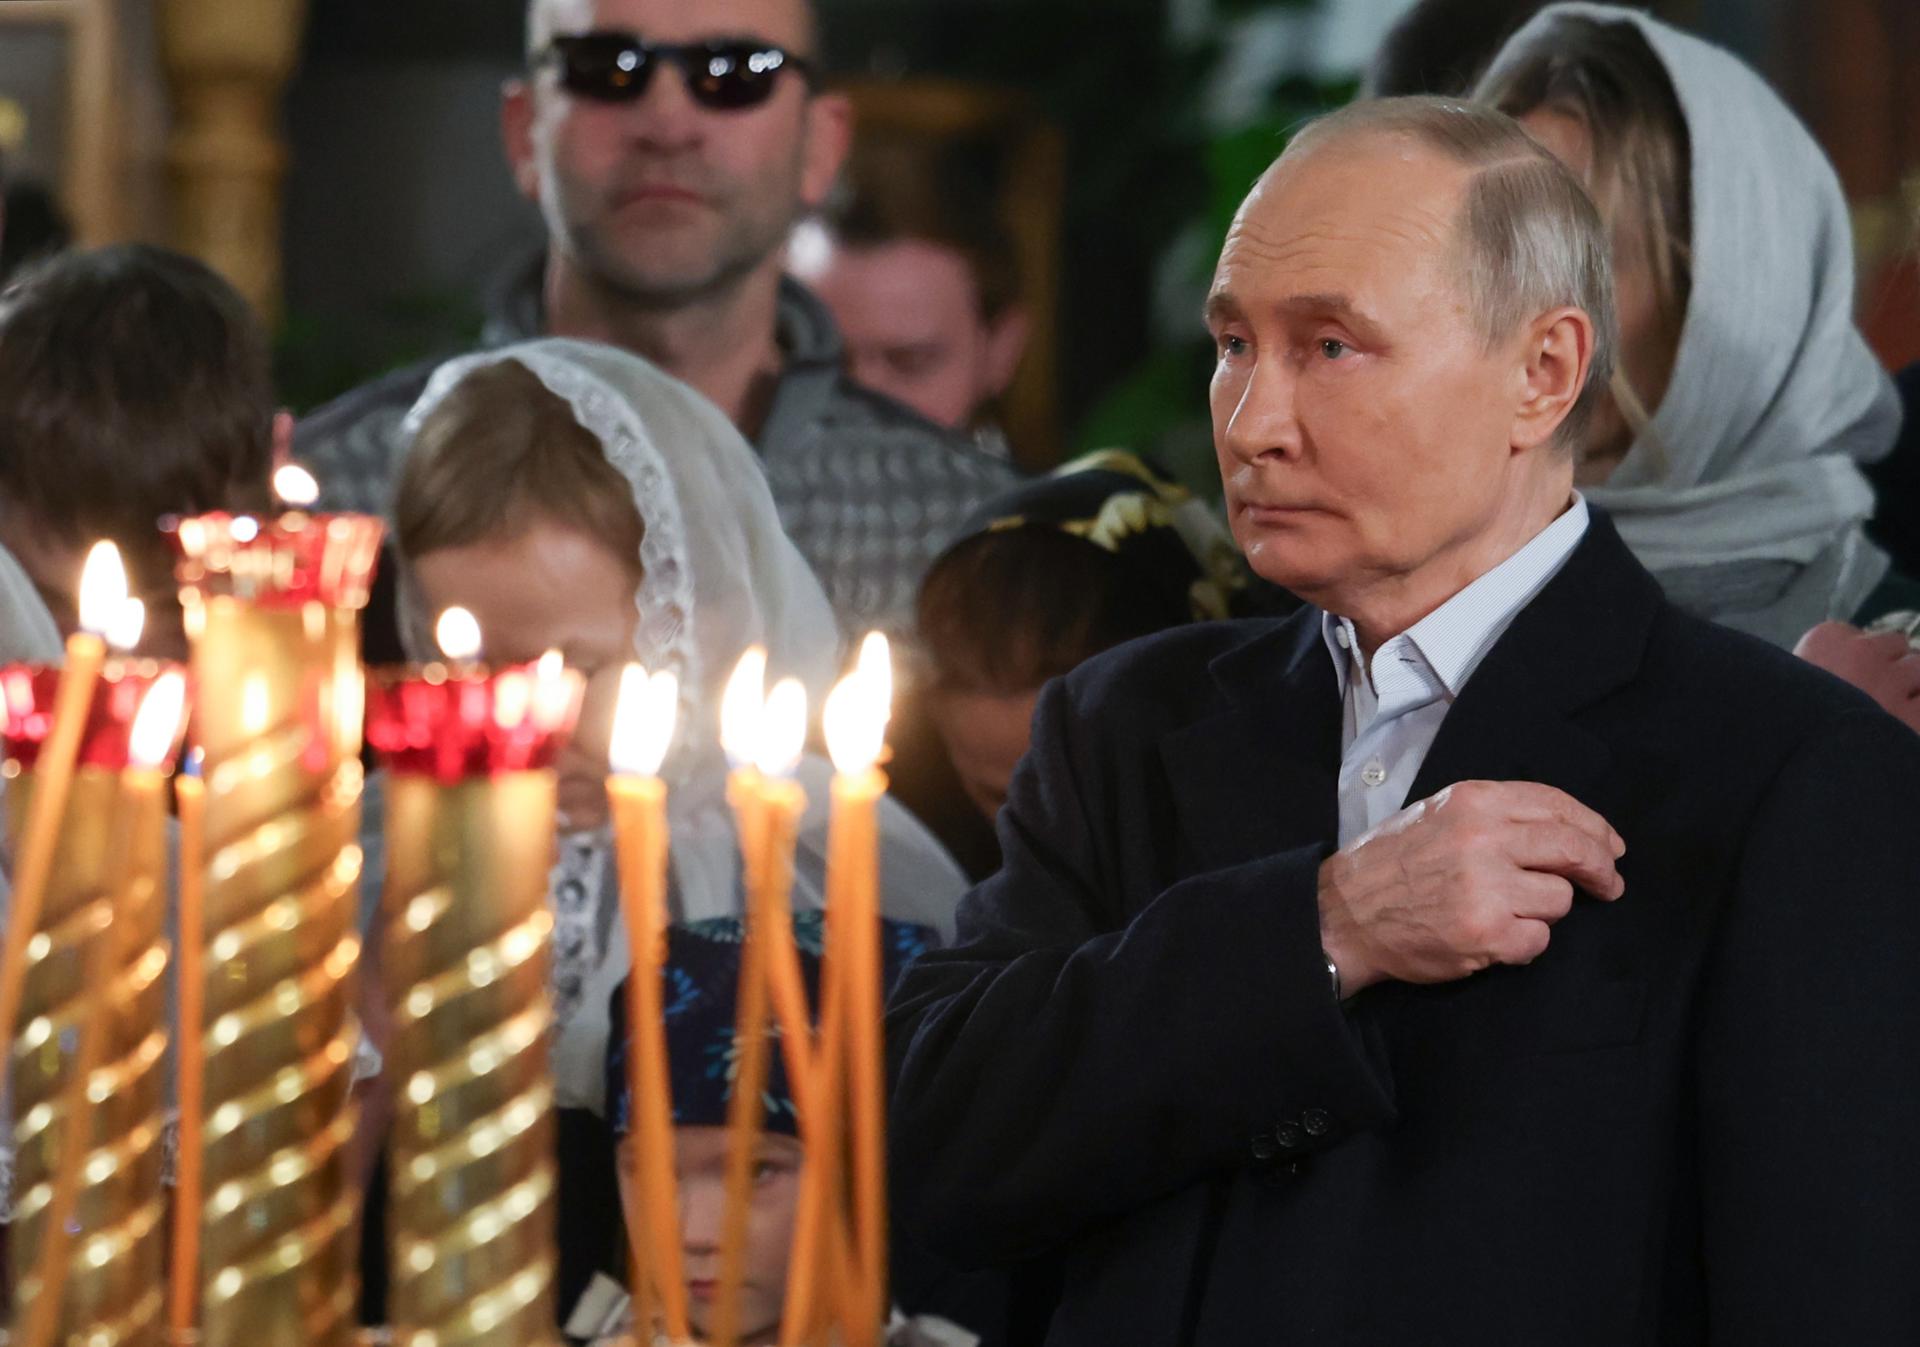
(1374, 773)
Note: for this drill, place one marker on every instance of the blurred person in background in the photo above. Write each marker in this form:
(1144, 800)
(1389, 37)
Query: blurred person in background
(1746, 401)
(671, 148)
(1103, 550)
(701, 982)
(572, 497)
(920, 272)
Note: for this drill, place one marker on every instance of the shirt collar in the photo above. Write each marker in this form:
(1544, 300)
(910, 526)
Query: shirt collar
(1453, 639)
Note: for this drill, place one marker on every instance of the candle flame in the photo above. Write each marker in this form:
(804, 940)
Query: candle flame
(643, 721)
(875, 668)
(256, 704)
(103, 589)
(295, 486)
(554, 690)
(123, 633)
(855, 724)
(783, 729)
(457, 633)
(157, 724)
(742, 706)
(858, 709)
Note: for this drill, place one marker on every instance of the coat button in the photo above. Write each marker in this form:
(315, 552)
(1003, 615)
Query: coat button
(1265, 1146)
(1290, 1136)
(1316, 1121)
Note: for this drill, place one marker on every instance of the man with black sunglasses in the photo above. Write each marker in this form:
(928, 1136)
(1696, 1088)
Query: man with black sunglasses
(671, 145)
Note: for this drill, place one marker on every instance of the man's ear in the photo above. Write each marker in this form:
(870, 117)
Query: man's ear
(829, 137)
(516, 136)
(1557, 354)
(1006, 344)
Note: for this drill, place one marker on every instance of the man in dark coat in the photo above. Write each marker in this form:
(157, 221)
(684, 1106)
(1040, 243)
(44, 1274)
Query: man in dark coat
(1488, 953)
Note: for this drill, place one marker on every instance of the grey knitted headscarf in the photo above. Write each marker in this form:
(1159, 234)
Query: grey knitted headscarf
(1744, 496)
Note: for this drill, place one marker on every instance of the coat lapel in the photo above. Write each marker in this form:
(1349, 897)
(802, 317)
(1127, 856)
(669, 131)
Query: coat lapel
(1261, 775)
(1581, 638)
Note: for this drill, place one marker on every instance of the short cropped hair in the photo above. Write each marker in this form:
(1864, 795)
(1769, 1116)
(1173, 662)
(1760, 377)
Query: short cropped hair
(907, 186)
(1607, 77)
(501, 453)
(135, 383)
(1530, 239)
(540, 28)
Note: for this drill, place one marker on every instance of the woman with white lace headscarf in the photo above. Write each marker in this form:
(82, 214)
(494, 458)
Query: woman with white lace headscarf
(574, 497)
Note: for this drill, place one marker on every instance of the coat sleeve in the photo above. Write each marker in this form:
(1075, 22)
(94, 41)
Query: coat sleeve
(1809, 1055)
(1061, 1066)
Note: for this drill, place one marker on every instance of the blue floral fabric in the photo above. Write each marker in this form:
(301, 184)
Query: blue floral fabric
(700, 982)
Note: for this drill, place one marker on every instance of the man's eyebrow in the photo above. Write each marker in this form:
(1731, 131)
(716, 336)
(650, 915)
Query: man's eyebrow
(1219, 307)
(1331, 304)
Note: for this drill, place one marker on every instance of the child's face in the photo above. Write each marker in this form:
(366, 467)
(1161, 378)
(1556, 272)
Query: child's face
(986, 736)
(700, 1170)
(552, 588)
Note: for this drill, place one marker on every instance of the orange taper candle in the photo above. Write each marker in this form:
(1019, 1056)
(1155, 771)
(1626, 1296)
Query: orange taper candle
(642, 732)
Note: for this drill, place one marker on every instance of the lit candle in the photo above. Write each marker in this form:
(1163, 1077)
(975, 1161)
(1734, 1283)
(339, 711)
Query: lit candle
(465, 930)
(642, 732)
(103, 598)
(123, 920)
(272, 613)
(770, 805)
(855, 722)
(295, 486)
(190, 802)
(55, 922)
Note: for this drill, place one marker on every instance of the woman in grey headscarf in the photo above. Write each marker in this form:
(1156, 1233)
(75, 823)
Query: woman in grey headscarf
(1747, 398)
(574, 497)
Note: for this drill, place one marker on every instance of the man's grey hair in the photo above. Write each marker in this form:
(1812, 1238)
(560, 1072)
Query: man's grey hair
(1531, 240)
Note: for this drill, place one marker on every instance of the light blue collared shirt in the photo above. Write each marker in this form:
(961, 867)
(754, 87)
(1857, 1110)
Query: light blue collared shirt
(1394, 709)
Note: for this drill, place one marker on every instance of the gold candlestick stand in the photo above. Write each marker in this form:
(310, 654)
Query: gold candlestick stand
(272, 611)
(113, 1291)
(465, 956)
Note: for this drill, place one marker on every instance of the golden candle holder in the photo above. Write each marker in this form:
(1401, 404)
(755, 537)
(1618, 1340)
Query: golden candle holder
(98, 943)
(272, 614)
(465, 957)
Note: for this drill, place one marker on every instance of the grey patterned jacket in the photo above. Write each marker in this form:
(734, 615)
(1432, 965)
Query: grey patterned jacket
(868, 491)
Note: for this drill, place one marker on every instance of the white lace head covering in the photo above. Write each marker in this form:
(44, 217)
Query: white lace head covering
(718, 575)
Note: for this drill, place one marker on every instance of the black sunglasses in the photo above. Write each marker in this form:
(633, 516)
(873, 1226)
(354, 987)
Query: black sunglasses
(612, 67)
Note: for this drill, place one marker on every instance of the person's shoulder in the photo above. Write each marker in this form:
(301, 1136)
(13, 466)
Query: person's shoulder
(1167, 676)
(392, 393)
(1723, 678)
(852, 409)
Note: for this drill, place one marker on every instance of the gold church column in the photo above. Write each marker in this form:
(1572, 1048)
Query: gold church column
(227, 62)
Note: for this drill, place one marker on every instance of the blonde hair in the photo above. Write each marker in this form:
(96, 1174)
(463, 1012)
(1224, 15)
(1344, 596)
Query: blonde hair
(1530, 238)
(500, 453)
(1607, 77)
